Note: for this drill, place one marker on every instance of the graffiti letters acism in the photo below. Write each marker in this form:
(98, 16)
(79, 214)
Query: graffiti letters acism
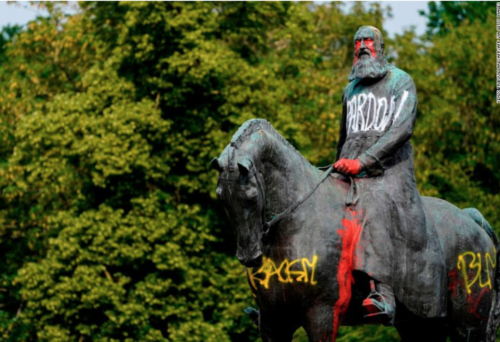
(300, 270)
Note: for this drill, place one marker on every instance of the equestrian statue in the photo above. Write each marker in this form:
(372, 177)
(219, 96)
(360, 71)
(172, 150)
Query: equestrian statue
(357, 244)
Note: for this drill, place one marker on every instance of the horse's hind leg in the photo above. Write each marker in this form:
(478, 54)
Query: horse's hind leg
(419, 329)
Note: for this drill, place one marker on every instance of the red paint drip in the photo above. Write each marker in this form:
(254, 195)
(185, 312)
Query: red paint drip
(350, 237)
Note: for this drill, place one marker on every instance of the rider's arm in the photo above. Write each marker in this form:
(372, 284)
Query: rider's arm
(399, 132)
(343, 132)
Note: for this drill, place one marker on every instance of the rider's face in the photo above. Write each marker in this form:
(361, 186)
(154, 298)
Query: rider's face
(364, 44)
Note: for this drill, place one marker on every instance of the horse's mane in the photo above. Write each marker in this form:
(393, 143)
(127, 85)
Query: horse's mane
(250, 126)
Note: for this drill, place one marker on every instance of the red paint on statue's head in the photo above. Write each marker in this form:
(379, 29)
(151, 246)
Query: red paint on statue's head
(358, 46)
(366, 43)
(367, 40)
(369, 45)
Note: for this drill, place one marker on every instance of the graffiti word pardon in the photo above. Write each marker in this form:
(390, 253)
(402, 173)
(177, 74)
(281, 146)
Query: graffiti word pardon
(365, 112)
(301, 270)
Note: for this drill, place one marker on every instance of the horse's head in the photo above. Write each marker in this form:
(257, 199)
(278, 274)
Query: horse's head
(241, 190)
(256, 183)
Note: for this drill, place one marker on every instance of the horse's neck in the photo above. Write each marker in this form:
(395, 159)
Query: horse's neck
(288, 177)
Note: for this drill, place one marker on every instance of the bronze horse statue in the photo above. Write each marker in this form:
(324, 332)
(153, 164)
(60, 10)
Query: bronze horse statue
(293, 228)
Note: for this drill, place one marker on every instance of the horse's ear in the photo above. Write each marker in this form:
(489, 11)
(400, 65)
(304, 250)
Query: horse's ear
(215, 165)
(244, 166)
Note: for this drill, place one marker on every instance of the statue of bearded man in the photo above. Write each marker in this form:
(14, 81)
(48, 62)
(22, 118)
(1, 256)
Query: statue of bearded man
(397, 249)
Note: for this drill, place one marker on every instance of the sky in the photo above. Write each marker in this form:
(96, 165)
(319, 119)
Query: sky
(405, 14)
(18, 13)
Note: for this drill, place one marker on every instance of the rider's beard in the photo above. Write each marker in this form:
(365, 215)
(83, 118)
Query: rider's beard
(368, 67)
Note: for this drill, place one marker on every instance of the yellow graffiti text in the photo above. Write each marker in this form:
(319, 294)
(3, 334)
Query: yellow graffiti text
(471, 263)
(301, 270)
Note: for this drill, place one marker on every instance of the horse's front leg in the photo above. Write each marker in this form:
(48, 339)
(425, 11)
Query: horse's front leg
(277, 327)
(320, 324)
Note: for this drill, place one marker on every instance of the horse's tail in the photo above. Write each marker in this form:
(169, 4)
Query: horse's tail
(494, 317)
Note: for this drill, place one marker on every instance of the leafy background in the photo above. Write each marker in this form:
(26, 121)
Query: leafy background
(109, 228)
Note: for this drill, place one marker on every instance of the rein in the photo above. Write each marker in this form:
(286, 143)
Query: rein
(269, 224)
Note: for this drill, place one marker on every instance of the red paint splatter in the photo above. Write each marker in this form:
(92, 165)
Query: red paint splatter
(473, 303)
(454, 282)
(350, 237)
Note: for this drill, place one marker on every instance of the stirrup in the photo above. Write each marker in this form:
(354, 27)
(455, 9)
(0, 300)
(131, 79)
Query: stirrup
(376, 309)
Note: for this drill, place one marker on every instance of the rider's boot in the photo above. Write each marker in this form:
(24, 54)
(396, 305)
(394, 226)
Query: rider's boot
(379, 307)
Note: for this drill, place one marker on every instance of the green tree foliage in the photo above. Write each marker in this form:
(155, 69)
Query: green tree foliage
(108, 220)
(7, 33)
(443, 16)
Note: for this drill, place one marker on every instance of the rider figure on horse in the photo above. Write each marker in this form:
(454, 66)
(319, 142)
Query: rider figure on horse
(397, 249)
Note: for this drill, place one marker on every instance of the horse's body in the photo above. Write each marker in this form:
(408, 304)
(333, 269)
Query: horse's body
(302, 272)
